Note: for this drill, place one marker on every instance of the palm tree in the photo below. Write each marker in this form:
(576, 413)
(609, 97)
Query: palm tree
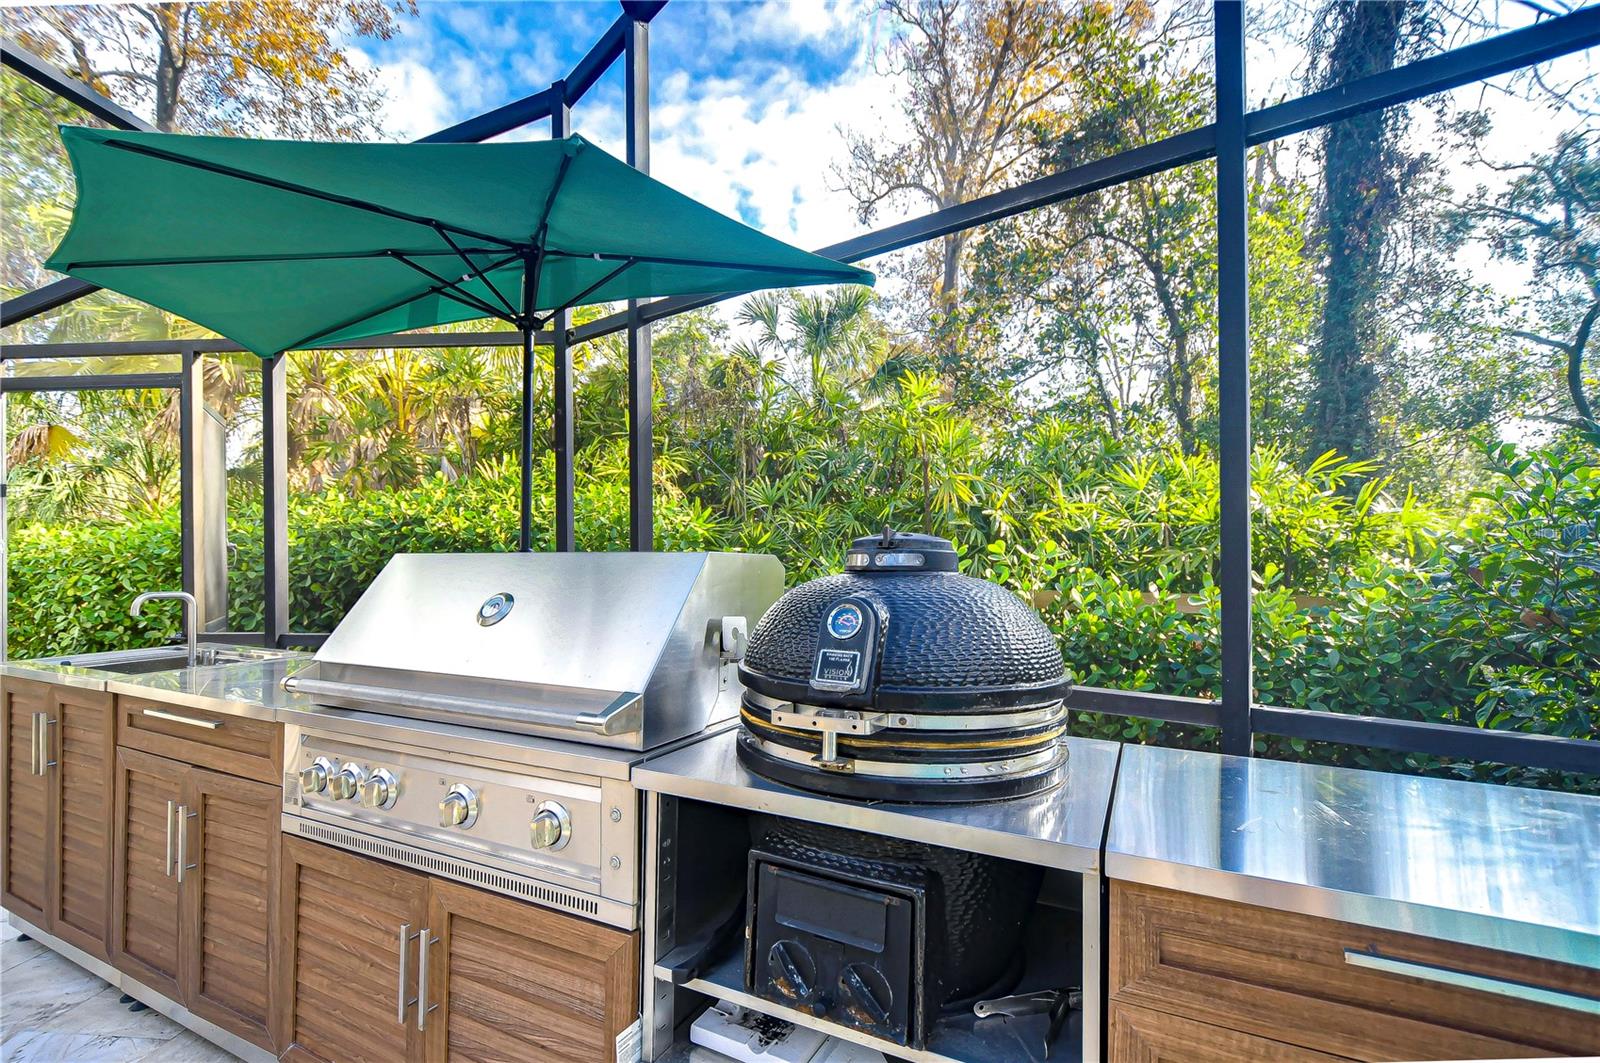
(830, 335)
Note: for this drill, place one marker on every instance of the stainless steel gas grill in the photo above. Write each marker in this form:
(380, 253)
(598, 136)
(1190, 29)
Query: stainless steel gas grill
(627, 650)
(486, 711)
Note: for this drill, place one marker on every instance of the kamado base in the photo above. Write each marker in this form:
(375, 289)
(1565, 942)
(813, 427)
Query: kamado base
(864, 787)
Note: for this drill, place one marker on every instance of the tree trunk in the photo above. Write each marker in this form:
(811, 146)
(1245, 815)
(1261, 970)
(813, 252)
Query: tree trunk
(1359, 201)
(1580, 401)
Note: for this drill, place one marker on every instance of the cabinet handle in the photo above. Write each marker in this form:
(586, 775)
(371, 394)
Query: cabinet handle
(33, 749)
(184, 816)
(1505, 987)
(171, 807)
(45, 723)
(400, 989)
(423, 1007)
(172, 717)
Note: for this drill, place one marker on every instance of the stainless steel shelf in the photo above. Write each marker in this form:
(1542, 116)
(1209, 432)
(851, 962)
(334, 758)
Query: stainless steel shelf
(957, 1039)
(1060, 829)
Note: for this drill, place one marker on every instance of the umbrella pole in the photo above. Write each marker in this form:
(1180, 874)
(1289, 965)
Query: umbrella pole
(525, 507)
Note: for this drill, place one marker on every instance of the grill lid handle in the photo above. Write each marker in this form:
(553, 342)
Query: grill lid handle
(900, 552)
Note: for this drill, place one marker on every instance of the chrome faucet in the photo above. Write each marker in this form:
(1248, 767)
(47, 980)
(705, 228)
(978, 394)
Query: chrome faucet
(191, 631)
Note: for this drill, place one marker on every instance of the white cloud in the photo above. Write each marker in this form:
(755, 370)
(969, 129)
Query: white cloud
(414, 103)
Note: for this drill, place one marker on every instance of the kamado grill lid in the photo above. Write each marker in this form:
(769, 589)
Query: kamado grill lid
(903, 679)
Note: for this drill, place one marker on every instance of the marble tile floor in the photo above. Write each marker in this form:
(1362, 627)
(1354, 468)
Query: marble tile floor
(53, 1011)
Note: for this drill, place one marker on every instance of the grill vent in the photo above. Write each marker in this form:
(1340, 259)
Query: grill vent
(449, 867)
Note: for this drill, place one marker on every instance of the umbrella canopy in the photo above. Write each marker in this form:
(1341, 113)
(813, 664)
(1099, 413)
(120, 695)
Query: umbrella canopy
(283, 244)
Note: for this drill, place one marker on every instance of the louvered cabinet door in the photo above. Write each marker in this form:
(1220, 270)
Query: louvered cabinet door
(229, 901)
(83, 780)
(512, 981)
(145, 917)
(347, 987)
(26, 809)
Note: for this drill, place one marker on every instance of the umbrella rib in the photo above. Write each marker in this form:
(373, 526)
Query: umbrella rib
(581, 296)
(475, 271)
(461, 294)
(550, 203)
(747, 267)
(228, 260)
(397, 304)
(303, 190)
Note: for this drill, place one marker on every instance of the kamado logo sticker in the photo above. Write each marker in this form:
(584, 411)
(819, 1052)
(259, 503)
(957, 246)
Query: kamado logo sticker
(845, 621)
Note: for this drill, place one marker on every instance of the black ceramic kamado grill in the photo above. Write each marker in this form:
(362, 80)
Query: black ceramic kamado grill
(898, 680)
(903, 680)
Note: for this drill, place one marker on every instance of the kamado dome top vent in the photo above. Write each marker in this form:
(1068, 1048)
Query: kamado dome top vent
(901, 679)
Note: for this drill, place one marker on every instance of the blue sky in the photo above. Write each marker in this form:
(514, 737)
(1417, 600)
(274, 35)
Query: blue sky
(747, 101)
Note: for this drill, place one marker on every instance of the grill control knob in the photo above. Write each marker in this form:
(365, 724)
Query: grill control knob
(551, 827)
(380, 790)
(459, 807)
(346, 783)
(314, 778)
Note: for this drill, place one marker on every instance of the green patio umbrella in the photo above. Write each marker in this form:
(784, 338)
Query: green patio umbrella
(285, 244)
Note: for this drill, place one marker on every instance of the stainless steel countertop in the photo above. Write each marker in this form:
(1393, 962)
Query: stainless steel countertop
(1498, 866)
(255, 689)
(1060, 829)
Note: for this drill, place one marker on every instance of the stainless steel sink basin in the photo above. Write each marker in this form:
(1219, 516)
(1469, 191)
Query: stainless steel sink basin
(163, 659)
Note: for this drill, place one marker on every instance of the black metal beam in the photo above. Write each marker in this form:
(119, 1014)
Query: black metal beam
(76, 92)
(274, 498)
(564, 93)
(1505, 52)
(564, 417)
(191, 404)
(1167, 707)
(43, 299)
(59, 293)
(641, 385)
(1438, 739)
(613, 43)
(1233, 378)
(95, 382)
(513, 115)
(390, 341)
(1499, 54)
(1179, 150)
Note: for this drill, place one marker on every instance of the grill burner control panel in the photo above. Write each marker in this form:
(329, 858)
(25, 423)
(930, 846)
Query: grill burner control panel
(505, 827)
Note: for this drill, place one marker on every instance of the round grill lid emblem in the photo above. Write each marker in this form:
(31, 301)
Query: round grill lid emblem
(844, 621)
(494, 609)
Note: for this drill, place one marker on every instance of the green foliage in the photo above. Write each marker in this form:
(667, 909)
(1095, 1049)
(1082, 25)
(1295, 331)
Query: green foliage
(1517, 601)
(71, 585)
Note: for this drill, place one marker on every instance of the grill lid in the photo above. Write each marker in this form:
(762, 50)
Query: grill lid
(902, 679)
(622, 649)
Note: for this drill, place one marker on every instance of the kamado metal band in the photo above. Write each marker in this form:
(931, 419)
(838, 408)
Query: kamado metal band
(981, 740)
(920, 770)
(822, 718)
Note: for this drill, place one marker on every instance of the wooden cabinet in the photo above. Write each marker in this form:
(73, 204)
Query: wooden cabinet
(478, 976)
(234, 745)
(515, 982)
(195, 865)
(348, 980)
(84, 751)
(1195, 969)
(145, 915)
(27, 805)
(1139, 1035)
(57, 780)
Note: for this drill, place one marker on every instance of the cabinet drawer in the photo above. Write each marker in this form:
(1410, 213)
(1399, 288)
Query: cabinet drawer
(234, 745)
(1287, 977)
(1138, 1035)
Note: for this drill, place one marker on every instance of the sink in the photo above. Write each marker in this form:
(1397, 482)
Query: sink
(164, 659)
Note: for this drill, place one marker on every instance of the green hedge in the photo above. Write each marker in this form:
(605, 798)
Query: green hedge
(1385, 649)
